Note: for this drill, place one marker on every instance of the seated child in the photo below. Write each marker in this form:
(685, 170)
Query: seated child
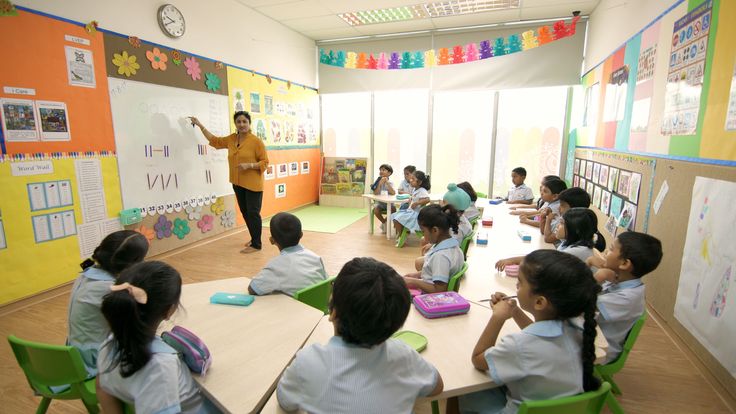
(552, 356)
(295, 267)
(381, 184)
(536, 209)
(621, 302)
(361, 369)
(472, 211)
(519, 193)
(405, 185)
(569, 198)
(458, 199)
(419, 197)
(88, 328)
(549, 191)
(135, 366)
(578, 233)
(445, 258)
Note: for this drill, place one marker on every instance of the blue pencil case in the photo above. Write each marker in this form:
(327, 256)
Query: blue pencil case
(238, 299)
(495, 201)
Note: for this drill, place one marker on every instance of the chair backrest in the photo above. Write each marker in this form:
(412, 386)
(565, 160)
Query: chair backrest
(474, 221)
(317, 295)
(465, 243)
(481, 195)
(586, 403)
(454, 284)
(618, 363)
(48, 365)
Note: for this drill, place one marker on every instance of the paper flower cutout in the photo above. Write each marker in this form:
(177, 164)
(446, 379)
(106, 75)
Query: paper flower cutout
(212, 81)
(162, 227)
(227, 219)
(90, 27)
(147, 232)
(126, 64)
(218, 206)
(206, 223)
(157, 58)
(288, 84)
(218, 65)
(193, 68)
(134, 41)
(193, 212)
(176, 57)
(181, 228)
(268, 78)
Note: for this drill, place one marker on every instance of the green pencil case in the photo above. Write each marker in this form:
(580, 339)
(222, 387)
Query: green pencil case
(413, 339)
(238, 299)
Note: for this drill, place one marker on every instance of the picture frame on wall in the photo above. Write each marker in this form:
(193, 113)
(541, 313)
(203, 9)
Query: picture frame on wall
(282, 170)
(634, 185)
(576, 166)
(603, 178)
(612, 178)
(596, 173)
(589, 170)
(624, 183)
(575, 180)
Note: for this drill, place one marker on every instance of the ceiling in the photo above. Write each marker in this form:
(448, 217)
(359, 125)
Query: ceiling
(319, 20)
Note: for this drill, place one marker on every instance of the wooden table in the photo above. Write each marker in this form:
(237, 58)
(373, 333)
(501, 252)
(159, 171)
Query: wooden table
(390, 200)
(250, 345)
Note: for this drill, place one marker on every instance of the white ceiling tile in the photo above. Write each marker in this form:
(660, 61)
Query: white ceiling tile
(331, 33)
(315, 23)
(259, 3)
(300, 9)
(531, 13)
(342, 6)
(396, 27)
(543, 3)
(498, 16)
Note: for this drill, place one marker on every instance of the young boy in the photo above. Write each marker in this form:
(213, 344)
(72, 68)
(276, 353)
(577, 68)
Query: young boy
(519, 193)
(551, 190)
(382, 184)
(569, 198)
(361, 369)
(292, 270)
(621, 302)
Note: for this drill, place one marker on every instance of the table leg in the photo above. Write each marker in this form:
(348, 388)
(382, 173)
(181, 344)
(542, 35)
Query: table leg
(389, 222)
(370, 213)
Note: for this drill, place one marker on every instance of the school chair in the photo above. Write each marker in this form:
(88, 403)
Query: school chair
(481, 195)
(474, 222)
(404, 234)
(606, 371)
(465, 243)
(49, 366)
(317, 295)
(454, 284)
(590, 402)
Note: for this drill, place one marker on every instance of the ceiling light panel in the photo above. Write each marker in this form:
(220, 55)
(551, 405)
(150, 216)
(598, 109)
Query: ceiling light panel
(426, 10)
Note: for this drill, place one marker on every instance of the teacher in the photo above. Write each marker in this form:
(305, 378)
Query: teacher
(247, 159)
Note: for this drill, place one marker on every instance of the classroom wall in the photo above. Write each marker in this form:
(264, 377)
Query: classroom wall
(222, 29)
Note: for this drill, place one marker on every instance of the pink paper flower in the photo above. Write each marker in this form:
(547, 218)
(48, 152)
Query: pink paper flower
(193, 68)
(206, 223)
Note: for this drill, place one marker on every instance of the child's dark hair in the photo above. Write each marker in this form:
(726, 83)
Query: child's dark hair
(370, 301)
(387, 168)
(519, 170)
(119, 250)
(644, 251)
(444, 218)
(570, 288)
(134, 324)
(556, 186)
(410, 169)
(546, 178)
(286, 229)
(581, 229)
(575, 197)
(465, 186)
(243, 113)
(423, 178)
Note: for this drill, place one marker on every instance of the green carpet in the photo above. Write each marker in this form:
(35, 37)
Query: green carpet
(325, 219)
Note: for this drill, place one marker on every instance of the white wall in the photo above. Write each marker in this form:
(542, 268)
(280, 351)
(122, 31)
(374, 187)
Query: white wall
(219, 29)
(613, 22)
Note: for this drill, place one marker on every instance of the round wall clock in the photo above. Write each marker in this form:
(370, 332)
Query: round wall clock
(171, 21)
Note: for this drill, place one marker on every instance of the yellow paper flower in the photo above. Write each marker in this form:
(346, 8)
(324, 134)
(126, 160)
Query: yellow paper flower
(218, 206)
(126, 64)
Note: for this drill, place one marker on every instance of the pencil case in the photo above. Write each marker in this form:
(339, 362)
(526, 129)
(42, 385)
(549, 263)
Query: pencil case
(524, 236)
(402, 196)
(238, 299)
(486, 222)
(495, 201)
(192, 349)
(482, 240)
(438, 305)
(511, 270)
(415, 292)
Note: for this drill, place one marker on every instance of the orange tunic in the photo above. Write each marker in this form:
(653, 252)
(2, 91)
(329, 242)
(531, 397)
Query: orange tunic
(250, 150)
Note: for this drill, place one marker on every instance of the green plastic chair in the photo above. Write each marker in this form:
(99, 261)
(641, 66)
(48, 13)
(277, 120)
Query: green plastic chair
(454, 284)
(317, 295)
(404, 234)
(466, 243)
(481, 195)
(606, 371)
(590, 402)
(48, 366)
(474, 222)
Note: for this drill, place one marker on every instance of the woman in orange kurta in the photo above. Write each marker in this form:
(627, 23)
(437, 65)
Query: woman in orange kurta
(247, 158)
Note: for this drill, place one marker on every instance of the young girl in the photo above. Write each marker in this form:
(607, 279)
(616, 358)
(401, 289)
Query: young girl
(551, 357)
(472, 211)
(135, 365)
(445, 258)
(87, 327)
(381, 184)
(460, 200)
(578, 231)
(419, 197)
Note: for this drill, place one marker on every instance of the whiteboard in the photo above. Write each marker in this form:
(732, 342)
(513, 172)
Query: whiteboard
(164, 162)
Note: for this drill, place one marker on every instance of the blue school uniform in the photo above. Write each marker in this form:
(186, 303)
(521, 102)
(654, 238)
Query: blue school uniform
(619, 306)
(442, 261)
(408, 216)
(520, 192)
(292, 270)
(463, 229)
(541, 362)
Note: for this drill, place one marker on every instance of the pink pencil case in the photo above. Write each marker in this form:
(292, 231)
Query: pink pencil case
(512, 270)
(415, 292)
(438, 305)
(193, 350)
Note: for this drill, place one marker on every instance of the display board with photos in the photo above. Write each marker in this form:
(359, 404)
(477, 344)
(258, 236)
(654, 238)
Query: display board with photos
(343, 176)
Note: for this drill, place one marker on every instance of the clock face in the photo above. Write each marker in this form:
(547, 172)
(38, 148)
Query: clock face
(171, 20)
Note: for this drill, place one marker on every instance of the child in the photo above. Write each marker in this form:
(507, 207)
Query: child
(405, 186)
(460, 200)
(549, 191)
(529, 211)
(621, 303)
(295, 267)
(419, 197)
(519, 193)
(569, 198)
(445, 258)
(135, 365)
(361, 368)
(472, 211)
(87, 326)
(552, 356)
(382, 184)
(578, 231)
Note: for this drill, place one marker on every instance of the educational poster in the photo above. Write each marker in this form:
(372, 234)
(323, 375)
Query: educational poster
(343, 176)
(19, 120)
(282, 170)
(53, 121)
(686, 71)
(603, 178)
(80, 67)
(645, 68)
(293, 168)
(280, 190)
(627, 219)
(597, 197)
(634, 184)
(605, 201)
(705, 295)
(238, 99)
(270, 172)
(305, 167)
(731, 110)
(615, 98)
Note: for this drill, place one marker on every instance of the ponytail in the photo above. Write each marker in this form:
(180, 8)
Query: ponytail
(590, 381)
(444, 218)
(600, 241)
(453, 217)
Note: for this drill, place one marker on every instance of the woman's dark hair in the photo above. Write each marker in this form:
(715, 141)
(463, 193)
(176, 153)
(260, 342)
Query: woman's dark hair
(286, 229)
(444, 218)
(133, 324)
(556, 186)
(581, 229)
(423, 178)
(570, 288)
(118, 251)
(465, 186)
(370, 301)
(243, 113)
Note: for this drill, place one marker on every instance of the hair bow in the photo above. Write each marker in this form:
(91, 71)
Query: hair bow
(137, 293)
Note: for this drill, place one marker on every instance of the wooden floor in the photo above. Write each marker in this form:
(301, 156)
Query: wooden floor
(658, 377)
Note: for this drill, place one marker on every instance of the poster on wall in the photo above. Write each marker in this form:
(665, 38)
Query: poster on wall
(80, 67)
(343, 176)
(731, 109)
(686, 70)
(19, 120)
(615, 99)
(53, 120)
(647, 61)
(704, 304)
